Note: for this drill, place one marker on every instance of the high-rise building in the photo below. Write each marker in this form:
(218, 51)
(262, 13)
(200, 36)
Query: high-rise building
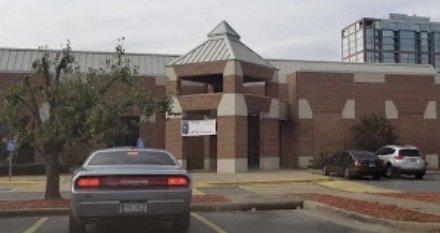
(398, 39)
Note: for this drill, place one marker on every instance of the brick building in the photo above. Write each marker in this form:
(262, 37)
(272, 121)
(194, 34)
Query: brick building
(268, 113)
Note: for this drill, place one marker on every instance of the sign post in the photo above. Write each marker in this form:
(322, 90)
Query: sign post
(12, 144)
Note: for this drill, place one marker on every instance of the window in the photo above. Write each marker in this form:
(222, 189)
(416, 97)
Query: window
(424, 59)
(436, 42)
(131, 157)
(410, 153)
(387, 40)
(424, 42)
(407, 41)
(407, 58)
(388, 58)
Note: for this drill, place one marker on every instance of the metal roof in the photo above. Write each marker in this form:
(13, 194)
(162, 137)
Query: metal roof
(222, 29)
(290, 66)
(223, 44)
(20, 60)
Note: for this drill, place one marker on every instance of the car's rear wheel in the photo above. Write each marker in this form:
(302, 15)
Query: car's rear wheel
(325, 171)
(419, 176)
(347, 174)
(376, 176)
(181, 224)
(389, 172)
(75, 226)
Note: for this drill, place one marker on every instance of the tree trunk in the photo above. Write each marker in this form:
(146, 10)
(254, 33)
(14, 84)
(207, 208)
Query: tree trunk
(52, 176)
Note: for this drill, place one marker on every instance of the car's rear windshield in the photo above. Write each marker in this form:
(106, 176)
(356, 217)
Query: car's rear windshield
(410, 153)
(131, 157)
(364, 155)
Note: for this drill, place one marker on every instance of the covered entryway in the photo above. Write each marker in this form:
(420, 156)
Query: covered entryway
(253, 141)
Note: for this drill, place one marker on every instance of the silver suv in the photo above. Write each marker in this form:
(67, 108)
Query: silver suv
(402, 160)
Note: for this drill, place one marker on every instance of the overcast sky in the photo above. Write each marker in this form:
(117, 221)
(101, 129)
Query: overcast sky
(299, 29)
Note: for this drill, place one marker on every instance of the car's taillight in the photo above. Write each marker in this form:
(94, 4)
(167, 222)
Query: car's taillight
(177, 181)
(131, 181)
(357, 163)
(399, 157)
(88, 182)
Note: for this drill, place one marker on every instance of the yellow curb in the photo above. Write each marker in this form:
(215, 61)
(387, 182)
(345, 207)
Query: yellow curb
(21, 182)
(356, 187)
(260, 182)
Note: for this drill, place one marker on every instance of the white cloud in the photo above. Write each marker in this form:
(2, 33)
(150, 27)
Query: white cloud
(278, 28)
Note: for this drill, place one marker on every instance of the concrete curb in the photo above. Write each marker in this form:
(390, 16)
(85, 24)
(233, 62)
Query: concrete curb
(202, 184)
(397, 225)
(199, 207)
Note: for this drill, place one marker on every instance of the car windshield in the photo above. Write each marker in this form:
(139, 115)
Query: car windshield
(131, 157)
(410, 153)
(363, 155)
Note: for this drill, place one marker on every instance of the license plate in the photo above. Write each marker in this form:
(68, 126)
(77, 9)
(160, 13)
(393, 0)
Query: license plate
(372, 165)
(134, 207)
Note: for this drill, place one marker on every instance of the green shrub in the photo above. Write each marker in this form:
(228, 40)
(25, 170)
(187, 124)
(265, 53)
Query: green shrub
(372, 132)
(318, 161)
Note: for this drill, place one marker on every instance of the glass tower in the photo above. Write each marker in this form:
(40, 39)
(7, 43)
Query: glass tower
(399, 39)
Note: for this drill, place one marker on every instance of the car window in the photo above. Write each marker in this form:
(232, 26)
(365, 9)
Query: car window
(337, 155)
(410, 153)
(385, 151)
(381, 151)
(390, 151)
(131, 157)
(363, 155)
(346, 156)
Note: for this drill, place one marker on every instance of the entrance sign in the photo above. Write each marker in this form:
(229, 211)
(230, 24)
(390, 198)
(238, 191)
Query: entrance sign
(192, 128)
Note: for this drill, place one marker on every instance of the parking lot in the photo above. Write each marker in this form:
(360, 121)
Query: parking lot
(252, 221)
(220, 222)
(430, 183)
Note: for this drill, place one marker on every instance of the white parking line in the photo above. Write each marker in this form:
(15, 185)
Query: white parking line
(208, 223)
(36, 225)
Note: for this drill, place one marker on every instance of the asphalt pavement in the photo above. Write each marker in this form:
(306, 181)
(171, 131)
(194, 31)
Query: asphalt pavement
(430, 183)
(219, 222)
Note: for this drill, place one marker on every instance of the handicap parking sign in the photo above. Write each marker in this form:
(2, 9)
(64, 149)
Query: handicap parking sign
(11, 145)
(140, 143)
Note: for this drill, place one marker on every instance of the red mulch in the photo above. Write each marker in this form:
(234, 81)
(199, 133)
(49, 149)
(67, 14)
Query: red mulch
(374, 209)
(65, 203)
(425, 196)
(209, 199)
(34, 204)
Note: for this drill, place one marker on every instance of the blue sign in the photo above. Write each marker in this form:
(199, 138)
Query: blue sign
(11, 145)
(140, 143)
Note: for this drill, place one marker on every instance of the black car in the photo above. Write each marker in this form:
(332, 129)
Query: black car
(354, 163)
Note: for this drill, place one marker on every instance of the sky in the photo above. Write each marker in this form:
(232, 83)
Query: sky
(292, 29)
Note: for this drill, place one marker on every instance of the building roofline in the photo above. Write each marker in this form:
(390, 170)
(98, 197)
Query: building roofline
(90, 51)
(346, 63)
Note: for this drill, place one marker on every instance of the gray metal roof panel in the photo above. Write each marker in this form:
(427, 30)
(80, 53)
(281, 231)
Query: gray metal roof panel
(221, 38)
(20, 60)
(291, 66)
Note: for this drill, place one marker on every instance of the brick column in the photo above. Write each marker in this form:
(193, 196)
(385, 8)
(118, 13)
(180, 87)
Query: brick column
(173, 139)
(232, 122)
(270, 137)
